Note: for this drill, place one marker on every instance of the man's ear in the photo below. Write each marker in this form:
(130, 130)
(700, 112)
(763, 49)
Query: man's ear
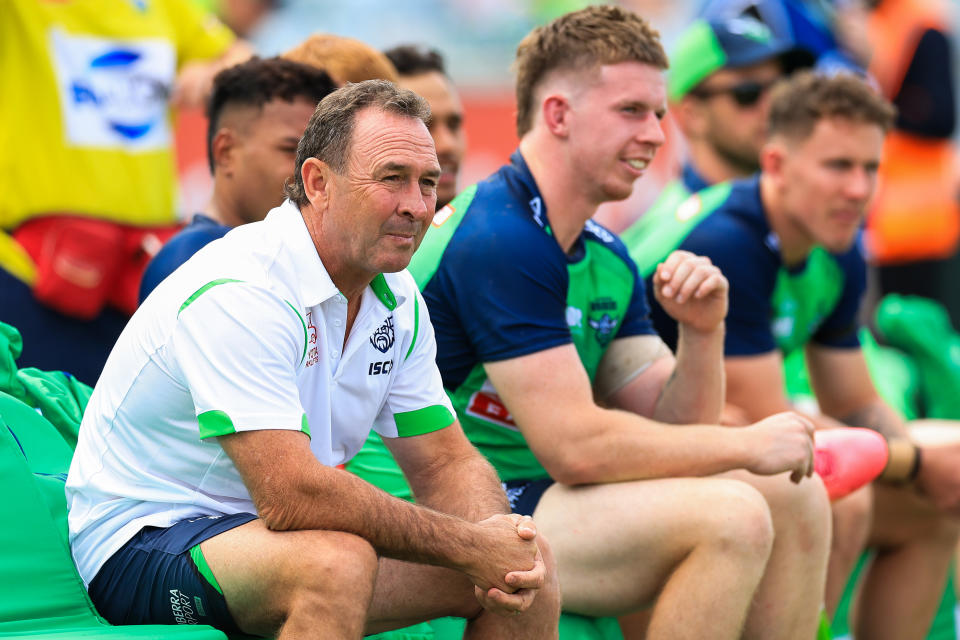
(555, 110)
(317, 176)
(222, 148)
(773, 155)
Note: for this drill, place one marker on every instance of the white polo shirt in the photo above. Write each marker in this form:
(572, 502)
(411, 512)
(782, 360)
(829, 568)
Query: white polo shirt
(248, 334)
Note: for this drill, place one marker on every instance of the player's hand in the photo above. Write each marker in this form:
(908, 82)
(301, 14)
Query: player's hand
(507, 568)
(782, 442)
(939, 476)
(691, 290)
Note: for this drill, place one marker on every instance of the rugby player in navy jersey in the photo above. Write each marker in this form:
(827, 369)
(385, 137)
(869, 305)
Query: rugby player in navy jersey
(546, 349)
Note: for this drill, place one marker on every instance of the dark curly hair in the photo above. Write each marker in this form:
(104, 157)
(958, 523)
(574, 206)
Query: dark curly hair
(258, 81)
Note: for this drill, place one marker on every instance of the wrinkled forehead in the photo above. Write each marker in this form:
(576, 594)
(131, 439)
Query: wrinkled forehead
(381, 137)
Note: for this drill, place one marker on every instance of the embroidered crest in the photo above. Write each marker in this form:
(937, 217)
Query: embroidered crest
(382, 338)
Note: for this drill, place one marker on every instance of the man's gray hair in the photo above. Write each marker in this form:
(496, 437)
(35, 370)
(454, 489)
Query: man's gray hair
(330, 130)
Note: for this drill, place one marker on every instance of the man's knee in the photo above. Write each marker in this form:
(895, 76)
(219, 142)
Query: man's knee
(739, 519)
(343, 562)
(803, 509)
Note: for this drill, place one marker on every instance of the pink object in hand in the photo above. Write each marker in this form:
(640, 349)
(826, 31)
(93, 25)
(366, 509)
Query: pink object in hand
(848, 458)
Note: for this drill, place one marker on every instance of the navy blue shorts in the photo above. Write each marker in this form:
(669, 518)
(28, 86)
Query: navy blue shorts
(154, 578)
(524, 495)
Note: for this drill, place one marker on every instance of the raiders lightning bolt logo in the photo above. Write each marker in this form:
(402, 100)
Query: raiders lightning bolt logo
(382, 338)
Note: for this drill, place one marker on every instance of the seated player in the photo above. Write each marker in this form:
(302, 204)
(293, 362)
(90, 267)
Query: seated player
(257, 113)
(546, 350)
(787, 241)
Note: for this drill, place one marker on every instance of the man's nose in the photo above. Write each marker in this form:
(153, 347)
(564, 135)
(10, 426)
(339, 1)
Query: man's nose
(652, 131)
(414, 203)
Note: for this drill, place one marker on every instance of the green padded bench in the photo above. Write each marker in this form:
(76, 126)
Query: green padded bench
(43, 595)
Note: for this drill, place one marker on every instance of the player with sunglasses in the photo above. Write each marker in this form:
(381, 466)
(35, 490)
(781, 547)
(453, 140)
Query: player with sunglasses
(717, 85)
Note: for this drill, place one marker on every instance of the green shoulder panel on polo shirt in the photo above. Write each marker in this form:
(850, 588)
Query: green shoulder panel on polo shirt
(202, 290)
(213, 283)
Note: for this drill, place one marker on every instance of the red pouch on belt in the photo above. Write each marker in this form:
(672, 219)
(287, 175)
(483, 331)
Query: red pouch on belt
(77, 261)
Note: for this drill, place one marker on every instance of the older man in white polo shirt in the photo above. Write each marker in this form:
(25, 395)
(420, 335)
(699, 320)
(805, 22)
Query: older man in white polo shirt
(204, 487)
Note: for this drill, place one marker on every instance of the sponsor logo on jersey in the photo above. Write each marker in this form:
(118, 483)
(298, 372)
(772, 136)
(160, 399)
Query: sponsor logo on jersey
(182, 607)
(689, 208)
(598, 231)
(382, 338)
(603, 328)
(574, 317)
(443, 215)
(114, 93)
(313, 354)
(487, 406)
(377, 368)
(536, 205)
(603, 304)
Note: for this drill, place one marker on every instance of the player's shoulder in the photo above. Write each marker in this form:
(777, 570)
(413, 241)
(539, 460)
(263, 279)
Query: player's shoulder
(733, 221)
(853, 261)
(502, 222)
(595, 232)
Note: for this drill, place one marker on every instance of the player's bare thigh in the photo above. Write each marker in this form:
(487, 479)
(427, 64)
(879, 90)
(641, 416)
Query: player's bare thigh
(616, 544)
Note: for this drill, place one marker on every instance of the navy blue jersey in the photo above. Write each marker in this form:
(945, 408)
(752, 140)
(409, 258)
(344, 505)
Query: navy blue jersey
(771, 306)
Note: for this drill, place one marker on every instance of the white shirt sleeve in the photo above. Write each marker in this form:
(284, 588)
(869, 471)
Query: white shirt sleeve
(238, 347)
(416, 402)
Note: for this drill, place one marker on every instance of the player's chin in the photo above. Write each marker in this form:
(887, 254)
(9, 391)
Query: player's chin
(619, 190)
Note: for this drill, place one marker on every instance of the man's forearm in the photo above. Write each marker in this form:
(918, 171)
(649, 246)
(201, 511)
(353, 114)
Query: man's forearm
(695, 391)
(339, 501)
(877, 416)
(467, 487)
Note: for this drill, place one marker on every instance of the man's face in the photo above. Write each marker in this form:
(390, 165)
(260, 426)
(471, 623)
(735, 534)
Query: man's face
(614, 128)
(446, 126)
(379, 209)
(734, 105)
(827, 180)
(265, 155)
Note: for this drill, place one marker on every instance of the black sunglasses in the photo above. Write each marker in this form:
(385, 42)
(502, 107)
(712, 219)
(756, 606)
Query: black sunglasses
(745, 94)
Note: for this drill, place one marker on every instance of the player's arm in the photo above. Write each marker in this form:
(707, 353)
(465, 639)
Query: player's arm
(844, 390)
(292, 491)
(755, 385)
(578, 442)
(448, 474)
(694, 293)
(841, 380)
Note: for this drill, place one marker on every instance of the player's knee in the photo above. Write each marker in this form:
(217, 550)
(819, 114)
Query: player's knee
(803, 508)
(344, 563)
(741, 520)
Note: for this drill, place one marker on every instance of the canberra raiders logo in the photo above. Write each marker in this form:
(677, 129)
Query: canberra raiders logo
(603, 328)
(382, 338)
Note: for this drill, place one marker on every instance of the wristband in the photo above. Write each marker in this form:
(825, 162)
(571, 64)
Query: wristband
(903, 464)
